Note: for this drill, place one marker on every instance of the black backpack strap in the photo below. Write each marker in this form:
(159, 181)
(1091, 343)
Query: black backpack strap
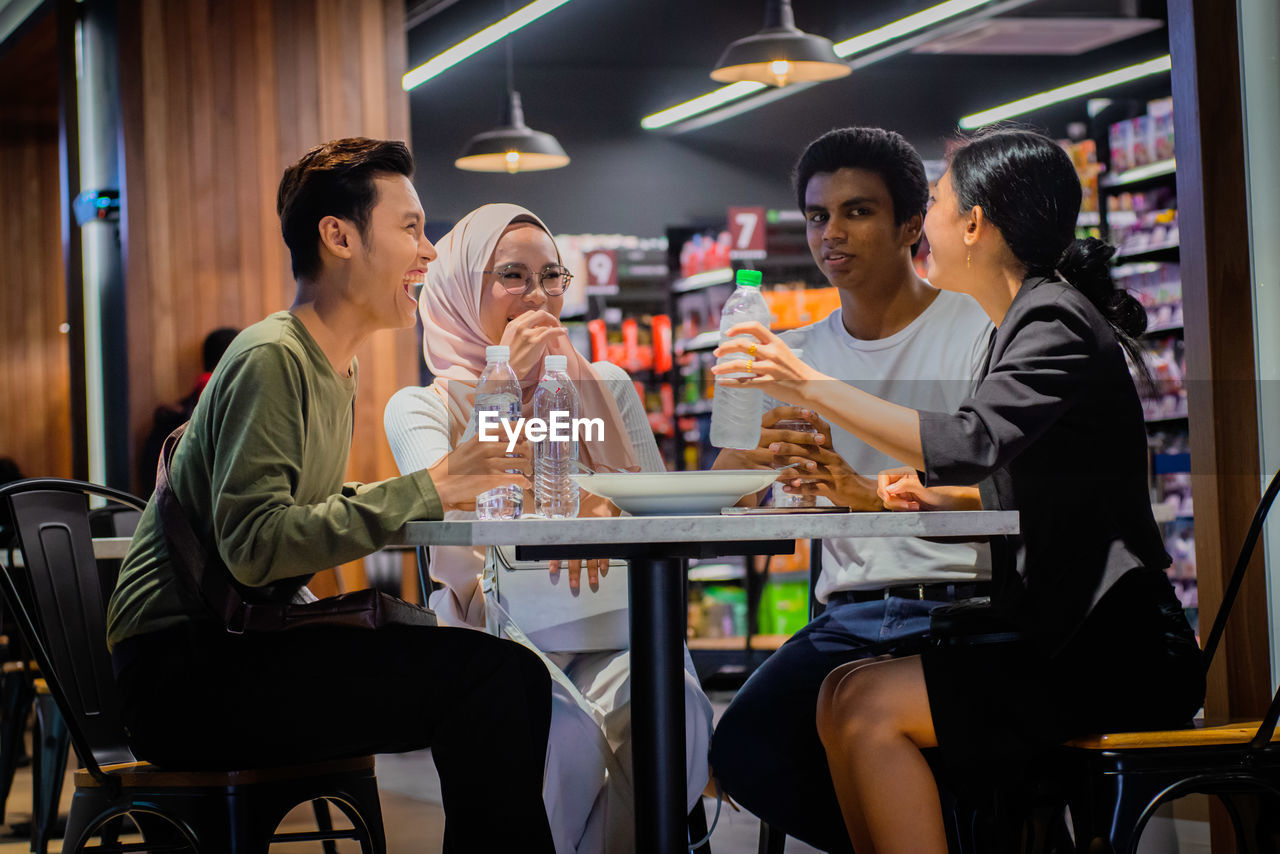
(207, 580)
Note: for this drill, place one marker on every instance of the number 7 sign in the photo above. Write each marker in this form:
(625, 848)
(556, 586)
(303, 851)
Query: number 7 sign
(746, 233)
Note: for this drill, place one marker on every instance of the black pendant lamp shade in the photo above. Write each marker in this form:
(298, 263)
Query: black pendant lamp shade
(512, 148)
(780, 54)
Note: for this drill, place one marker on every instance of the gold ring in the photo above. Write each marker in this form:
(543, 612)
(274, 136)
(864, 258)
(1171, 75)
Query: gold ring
(750, 366)
(752, 352)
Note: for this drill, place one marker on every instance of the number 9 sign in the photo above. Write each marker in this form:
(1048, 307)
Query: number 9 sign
(602, 267)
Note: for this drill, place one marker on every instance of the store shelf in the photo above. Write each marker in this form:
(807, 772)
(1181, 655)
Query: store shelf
(1121, 219)
(1169, 327)
(1140, 268)
(701, 341)
(1182, 417)
(794, 259)
(1139, 174)
(760, 642)
(1161, 250)
(710, 572)
(601, 290)
(698, 281)
(701, 407)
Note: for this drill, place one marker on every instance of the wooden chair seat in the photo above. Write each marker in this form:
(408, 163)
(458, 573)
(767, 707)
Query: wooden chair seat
(1198, 735)
(144, 775)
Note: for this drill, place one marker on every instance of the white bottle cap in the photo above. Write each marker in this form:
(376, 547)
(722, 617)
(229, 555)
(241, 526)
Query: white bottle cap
(556, 363)
(497, 353)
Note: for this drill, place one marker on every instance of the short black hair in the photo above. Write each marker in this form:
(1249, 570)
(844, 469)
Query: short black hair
(334, 179)
(884, 152)
(215, 344)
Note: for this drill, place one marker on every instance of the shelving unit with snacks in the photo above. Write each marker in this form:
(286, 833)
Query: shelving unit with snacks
(1139, 215)
(620, 315)
(652, 306)
(738, 612)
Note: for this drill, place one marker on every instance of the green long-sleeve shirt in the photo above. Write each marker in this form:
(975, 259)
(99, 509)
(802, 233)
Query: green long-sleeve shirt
(259, 474)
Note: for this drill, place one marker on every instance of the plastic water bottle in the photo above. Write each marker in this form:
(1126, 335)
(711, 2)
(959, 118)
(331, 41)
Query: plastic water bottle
(499, 391)
(735, 412)
(555, 495)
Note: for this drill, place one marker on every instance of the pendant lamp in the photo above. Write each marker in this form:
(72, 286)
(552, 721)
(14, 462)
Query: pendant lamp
(780, 54)
(513, 147)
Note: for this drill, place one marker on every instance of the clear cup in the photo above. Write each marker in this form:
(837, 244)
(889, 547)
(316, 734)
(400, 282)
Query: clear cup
(782, 498)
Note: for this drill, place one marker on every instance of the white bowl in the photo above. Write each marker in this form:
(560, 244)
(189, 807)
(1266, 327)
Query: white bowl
(675, 493)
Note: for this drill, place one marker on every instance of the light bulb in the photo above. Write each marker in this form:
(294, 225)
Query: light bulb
(780, 68)
(513, 162)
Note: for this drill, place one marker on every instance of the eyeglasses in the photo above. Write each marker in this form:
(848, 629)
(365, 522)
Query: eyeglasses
(517, 279)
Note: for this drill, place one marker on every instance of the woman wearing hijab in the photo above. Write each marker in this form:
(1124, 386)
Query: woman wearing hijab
(498, 280)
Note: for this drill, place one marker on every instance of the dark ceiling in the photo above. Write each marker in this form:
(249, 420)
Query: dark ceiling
(591, 69)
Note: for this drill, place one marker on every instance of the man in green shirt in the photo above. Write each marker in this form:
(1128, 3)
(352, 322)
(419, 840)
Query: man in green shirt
(258, 474)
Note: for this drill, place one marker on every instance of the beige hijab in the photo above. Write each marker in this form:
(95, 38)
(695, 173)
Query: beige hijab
(453, 342)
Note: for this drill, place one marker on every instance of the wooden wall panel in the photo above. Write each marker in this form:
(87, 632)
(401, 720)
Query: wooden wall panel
(218, 97)
(35, 405)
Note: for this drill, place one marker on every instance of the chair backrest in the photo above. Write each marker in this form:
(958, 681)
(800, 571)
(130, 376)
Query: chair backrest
(59, 601)
(1263, 737)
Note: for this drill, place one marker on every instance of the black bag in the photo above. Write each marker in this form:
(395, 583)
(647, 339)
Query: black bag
(972, 621)
(213, 584)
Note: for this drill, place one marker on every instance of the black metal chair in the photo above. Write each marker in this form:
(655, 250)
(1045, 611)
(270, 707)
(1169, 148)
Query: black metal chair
(57, 600)
(1114, 783)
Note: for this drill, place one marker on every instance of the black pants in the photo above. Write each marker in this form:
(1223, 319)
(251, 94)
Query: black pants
(203, 698)
(765, 750)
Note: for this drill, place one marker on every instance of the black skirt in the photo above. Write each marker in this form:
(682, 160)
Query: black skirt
(1133, 665)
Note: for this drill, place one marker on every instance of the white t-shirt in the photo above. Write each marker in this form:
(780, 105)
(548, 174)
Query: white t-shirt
(931, 364)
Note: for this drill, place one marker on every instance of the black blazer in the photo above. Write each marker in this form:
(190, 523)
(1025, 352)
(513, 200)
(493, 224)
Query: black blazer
(1054, 429)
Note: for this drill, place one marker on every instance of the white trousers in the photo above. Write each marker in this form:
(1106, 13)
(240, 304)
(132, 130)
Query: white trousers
(588, 793)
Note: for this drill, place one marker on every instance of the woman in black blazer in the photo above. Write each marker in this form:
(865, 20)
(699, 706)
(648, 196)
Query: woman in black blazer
(1054, 429)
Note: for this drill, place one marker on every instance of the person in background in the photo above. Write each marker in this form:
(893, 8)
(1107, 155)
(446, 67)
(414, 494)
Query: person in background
(499, 280)
(259, 475)
(863, 193)
(169, 417)
(1054, 430)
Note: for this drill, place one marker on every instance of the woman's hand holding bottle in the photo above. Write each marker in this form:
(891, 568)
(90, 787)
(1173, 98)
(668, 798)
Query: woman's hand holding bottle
(769, 365)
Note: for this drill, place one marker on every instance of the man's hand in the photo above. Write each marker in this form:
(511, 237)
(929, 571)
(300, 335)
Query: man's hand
(809, 465)
(760, 457)
(475, 467)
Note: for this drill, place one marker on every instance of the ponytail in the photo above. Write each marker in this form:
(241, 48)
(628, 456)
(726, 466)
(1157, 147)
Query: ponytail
(1086, 266)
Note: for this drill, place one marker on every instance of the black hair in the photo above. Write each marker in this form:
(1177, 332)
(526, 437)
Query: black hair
(1027, 187)
(215, 344)
(884, 152)
(334, 179)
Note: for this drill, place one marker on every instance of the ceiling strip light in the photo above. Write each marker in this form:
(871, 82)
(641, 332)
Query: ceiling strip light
(906, 26)
(701, 104)
(1066, 93)
(858, 44)
(478, 42)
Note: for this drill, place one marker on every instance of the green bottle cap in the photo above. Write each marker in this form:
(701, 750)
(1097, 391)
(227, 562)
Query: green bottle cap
(750, 278)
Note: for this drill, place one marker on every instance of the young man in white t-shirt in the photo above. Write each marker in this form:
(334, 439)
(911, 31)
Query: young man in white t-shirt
(863, 192)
